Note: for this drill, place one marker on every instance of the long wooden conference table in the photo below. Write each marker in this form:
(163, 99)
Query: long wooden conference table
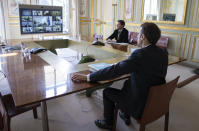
(46, 76)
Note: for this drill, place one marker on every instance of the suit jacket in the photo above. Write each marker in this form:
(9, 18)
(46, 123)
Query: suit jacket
(123, 38)
(147, 66)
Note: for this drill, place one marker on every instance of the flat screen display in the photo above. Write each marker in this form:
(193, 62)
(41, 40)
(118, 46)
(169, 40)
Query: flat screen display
(40, 19)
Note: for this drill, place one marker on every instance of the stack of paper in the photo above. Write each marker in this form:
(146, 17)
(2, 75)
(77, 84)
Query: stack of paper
(99, 66)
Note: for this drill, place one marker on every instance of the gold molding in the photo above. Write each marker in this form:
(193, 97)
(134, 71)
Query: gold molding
(108, 26)
(92, 20)
(142, 11)
(188, 46)
(180, 28)
(87, 12)
(85, 24)
(193, 47)
(9, 10)
(96, 9)
(132, 10)
(85, 20)
(96, 28)
(100, 21)
(132, 24)
(13, 21)
(107, 20)
(197, 15)
(169, 27)
(165, 22)
(185, 43)
(14, 24)
(193, 8)
(179, 41)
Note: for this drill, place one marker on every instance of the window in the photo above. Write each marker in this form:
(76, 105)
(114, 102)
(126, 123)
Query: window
(150, 8)
(66, 11)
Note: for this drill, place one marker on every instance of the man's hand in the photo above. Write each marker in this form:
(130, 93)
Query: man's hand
(109, 40)
(77, 77)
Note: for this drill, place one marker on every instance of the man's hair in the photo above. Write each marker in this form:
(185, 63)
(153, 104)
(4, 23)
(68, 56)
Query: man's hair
(121, 22)
(151, 32)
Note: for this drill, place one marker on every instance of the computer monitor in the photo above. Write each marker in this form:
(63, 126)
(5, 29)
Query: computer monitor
(40, 19)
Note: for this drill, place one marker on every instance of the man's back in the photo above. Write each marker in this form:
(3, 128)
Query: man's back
(151, 69)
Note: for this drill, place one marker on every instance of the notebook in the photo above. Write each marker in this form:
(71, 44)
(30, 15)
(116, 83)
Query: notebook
(99, 66)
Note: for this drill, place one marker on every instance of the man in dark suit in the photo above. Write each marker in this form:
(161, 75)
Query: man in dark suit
(120, 34)
(147, 66)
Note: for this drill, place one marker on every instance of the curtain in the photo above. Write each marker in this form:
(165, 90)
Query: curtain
(4, 28)
(75, 30)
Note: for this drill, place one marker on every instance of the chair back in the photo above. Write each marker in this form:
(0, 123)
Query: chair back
(158, 101)
(98, 37)
(163, 42)
(132, 37)
(3, 110)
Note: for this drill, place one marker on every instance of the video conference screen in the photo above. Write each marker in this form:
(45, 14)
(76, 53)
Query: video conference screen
(40, 19)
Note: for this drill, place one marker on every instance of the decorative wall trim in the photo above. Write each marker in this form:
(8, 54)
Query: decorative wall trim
(100, 7)
(193, 47)
(185, 43)
(135, 9)
(85, 20)
(179, 41)
(108, 26)
(92, 20)
(169, 27)
(111, 9)
(13, 21)
(165, 22)
(132, 10)
(13, 16)
(86, 8)
(192, 11)
(188, 46)
(96, 25)
(87, 35)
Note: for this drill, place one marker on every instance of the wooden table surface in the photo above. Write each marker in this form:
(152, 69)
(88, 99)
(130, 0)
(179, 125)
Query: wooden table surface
(46, 76)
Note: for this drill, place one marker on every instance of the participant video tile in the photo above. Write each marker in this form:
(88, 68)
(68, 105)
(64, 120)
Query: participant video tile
(40, 21)
(56, 13)
(48, 29)
(39, 29)
(26, 18)
(47, 13)
(27, 29)
(26, 24)
(26, 13)
(37, 13)
(56, 28)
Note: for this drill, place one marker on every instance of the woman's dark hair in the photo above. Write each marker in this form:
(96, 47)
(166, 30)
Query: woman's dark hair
(151, 32)
(121, 22)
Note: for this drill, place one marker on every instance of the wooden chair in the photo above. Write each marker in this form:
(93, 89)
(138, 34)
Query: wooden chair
(8, 110)
(157, 105)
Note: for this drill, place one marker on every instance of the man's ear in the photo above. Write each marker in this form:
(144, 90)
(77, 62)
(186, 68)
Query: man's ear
(142, 37)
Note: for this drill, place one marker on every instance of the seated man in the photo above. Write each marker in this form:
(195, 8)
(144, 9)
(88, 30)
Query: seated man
(147, 66)
(120, 34)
